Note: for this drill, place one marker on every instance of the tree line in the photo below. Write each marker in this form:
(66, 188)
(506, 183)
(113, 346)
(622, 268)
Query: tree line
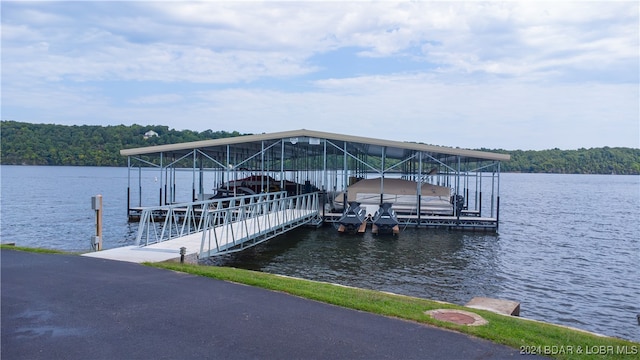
(86, 145)
(604, 160)
(89, 145)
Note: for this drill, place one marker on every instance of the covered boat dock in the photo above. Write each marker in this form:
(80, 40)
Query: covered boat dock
(426, 185)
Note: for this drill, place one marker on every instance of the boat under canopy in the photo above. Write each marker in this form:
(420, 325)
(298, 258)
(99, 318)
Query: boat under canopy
(401, 194)
(256, 184)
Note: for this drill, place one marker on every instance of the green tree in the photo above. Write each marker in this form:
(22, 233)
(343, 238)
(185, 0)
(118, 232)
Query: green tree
(48, 144)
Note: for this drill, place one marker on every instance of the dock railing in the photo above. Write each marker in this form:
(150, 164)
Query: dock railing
(162, 223)
(255, 220)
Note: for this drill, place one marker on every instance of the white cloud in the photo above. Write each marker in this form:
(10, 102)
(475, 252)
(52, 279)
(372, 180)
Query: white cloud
(157, 99)
(508, 74)
(263, 40)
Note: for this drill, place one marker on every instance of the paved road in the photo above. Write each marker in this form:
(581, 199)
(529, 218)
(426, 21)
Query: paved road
(74, 307)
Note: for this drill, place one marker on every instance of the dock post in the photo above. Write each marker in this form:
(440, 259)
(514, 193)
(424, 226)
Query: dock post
(96, 204)
(498, 212)
(419, 207)
(183, 252)
(128, 201)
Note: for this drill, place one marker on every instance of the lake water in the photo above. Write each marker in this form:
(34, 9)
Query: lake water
(568, 247)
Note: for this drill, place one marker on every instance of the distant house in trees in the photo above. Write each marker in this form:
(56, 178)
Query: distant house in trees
(150, 134)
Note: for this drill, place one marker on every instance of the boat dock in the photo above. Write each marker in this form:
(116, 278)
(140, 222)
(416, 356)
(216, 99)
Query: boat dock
(428, 186)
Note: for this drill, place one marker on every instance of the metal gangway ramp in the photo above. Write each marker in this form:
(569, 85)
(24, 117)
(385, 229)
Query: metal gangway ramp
(255, 219)
(214, 227)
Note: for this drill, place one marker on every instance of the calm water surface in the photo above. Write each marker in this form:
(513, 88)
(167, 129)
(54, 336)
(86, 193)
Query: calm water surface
(568, 247)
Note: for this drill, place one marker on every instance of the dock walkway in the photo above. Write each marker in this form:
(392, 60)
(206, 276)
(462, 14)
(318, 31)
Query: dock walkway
(166, 250)
(222, 230)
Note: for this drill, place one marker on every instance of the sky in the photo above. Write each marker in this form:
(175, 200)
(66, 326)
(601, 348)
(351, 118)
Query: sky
(528, 75)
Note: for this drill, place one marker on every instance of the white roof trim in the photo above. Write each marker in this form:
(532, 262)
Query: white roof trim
(315, 134)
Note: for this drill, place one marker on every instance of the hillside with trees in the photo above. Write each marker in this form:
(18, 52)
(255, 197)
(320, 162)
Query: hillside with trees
(605, 160)
(87, 145)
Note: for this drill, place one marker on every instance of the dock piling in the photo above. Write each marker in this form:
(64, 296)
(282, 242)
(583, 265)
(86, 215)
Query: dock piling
(96, 204)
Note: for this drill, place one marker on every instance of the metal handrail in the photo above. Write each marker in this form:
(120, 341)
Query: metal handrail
(161, 223)
(249, 223)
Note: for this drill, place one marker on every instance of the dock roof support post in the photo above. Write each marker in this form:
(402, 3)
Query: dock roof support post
(498, 200)
(419, 187)
(171, 184)
(139, 185)
(382, 169)
(262, 177)
(480, 195)
(128, 183)
(475, 198)
(498, 186)
(193, 180)
(493, 188)
(228, 168)
(325, 178)
(419, 177)
(281, 164)
(457, 193)
(161, 180)
(345, 177)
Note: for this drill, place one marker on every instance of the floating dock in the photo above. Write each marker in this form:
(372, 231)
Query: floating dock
(466, 223)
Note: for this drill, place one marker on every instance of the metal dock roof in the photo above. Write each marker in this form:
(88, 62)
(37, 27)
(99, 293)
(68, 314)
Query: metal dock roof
(369, 145)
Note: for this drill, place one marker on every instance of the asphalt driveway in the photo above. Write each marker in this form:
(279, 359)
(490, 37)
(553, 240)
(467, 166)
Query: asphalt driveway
(75, 307)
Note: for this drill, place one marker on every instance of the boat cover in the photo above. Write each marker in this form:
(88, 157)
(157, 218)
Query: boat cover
(402, 194)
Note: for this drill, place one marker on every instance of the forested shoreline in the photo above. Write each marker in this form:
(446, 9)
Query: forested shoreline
(90, 145)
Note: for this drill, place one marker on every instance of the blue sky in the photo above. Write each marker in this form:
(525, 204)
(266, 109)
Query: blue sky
(512, 75)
